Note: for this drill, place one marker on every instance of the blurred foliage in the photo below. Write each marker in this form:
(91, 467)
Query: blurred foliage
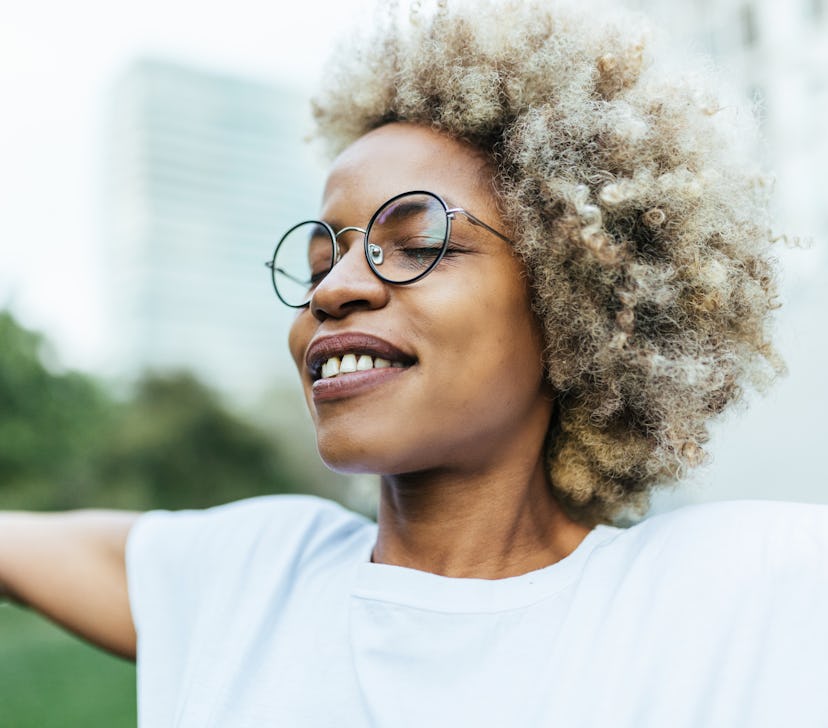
(50, 423)
(67, 441)
(179, 447)
(49, 679)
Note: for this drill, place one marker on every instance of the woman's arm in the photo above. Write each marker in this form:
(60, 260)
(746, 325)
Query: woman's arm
(70, 567)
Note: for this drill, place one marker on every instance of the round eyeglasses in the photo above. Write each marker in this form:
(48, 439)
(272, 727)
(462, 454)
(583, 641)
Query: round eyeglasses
(404, 241)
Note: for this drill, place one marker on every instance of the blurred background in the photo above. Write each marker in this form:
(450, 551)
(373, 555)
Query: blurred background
(149, 157)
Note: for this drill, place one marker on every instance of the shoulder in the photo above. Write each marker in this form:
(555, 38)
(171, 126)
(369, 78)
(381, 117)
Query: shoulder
(295, 524)
(731, 593)
(252, 518)
(177, 559)
(740, 524)
(256, 509)
(260, 511)
(737, 540)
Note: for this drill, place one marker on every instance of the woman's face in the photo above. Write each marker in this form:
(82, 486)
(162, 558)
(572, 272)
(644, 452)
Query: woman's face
(465, 381)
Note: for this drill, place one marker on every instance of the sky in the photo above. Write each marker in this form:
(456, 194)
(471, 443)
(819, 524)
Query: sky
(57, 61)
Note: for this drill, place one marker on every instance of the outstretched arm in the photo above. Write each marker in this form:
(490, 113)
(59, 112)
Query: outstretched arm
(70, 567)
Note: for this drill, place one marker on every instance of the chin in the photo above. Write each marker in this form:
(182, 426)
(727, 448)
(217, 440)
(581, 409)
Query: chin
(351, 465)
(346, 455)
(373, 455)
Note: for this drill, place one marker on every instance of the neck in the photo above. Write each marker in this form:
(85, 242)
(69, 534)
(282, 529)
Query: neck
(485, 525)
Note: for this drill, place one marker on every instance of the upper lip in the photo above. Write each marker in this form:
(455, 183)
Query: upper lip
(324, 347)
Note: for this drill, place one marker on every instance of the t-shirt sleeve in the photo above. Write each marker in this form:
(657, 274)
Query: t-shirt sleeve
(184, 567)
(165, 563)
(175, 559)
(166, 558)
(755, 573)
(794, 600)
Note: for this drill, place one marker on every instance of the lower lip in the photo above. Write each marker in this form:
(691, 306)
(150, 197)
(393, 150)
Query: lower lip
(349, 385)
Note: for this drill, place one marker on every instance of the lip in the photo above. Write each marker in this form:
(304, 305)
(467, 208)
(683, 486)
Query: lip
(324, 347)
(349, 385)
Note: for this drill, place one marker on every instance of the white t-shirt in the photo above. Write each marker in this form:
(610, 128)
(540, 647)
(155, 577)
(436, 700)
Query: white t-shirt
(267, 612)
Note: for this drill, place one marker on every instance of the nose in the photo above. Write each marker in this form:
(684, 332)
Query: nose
(350, 285)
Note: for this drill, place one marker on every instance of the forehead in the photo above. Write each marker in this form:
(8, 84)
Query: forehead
(401, 157)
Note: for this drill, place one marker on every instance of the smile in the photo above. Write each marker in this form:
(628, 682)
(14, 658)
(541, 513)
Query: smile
(337, 366)
(350, 354)
(345, 386)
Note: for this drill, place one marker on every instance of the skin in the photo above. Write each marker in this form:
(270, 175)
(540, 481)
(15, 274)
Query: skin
(70, 568)
(458, 437)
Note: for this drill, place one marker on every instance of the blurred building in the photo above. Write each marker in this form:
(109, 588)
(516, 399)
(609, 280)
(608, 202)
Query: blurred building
(777, 52)
(203, 172)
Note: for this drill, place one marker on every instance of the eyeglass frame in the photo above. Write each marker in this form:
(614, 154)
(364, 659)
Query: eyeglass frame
(336, 254)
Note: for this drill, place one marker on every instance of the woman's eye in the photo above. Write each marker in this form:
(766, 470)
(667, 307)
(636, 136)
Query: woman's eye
(418, 243)
(316, 278)
(422, 253)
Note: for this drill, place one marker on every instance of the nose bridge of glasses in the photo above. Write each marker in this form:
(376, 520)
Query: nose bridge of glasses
(338, 248)
(349, 276)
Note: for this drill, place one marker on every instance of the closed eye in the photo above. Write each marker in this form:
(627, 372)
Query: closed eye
(316, 278)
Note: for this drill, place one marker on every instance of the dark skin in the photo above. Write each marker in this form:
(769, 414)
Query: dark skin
(457, 437)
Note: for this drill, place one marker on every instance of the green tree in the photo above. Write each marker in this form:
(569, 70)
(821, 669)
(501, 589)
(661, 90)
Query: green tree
(178, 446)
(50, 425)
(67, 442)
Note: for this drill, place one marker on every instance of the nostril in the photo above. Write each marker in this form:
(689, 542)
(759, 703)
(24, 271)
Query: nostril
(318, 313)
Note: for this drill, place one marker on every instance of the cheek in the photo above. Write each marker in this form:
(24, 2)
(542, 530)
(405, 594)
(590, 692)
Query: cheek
(486, 348)
(301, 331)
(517, 348)
(497, 322)
(516, 310)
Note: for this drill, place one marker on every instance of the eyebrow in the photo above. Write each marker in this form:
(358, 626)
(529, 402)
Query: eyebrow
(399, 209)
(395, 209)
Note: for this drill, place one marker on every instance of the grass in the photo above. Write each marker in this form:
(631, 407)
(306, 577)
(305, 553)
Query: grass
(49, 679)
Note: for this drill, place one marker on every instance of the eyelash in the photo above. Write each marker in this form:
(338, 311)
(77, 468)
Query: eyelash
(451, 251)
(454, 250)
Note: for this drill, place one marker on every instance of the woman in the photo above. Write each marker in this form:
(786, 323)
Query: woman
(539, 269)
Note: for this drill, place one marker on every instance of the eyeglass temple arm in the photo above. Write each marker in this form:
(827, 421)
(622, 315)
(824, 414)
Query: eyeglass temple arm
(269, 264)
(477, 221)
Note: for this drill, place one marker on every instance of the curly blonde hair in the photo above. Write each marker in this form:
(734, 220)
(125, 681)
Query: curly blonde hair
(641, 221)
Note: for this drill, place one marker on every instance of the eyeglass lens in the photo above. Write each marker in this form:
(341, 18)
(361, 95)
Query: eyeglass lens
(405, 240)
(302, 258)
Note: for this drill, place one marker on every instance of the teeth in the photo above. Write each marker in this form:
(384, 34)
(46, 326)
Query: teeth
(331, 367)
(348, 364)
(355, 363)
